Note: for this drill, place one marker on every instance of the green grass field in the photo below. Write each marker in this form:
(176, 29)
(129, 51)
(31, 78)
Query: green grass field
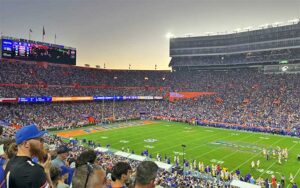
(233, 149)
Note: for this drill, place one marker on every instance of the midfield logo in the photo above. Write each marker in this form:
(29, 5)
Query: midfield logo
(151, 140)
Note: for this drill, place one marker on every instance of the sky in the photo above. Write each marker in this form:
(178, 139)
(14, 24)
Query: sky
(122, 32)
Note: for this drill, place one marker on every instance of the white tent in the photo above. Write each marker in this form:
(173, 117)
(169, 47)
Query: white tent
(122, 154)
(136, 157)
(241, 184)
(165, 166)
(101, 149)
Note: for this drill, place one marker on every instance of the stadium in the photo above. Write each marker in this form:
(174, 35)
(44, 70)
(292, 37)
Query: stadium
(226, 114)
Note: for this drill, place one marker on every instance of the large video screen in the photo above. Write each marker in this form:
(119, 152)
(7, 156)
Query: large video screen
(36, 51)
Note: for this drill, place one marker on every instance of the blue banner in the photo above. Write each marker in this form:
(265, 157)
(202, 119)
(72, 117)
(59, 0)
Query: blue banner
(95, 98)
(35, 99)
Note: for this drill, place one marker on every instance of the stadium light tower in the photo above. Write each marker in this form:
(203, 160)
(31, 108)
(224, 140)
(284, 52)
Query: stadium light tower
(293, 21)
(247, 28)
(276, 24)
(170, 35)
(263, 26)
(237, 30)
(188, 35)
(208, 33)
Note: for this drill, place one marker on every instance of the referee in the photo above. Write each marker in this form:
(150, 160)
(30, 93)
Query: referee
(21, 171)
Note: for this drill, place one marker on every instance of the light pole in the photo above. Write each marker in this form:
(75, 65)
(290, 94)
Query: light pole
(183, 146)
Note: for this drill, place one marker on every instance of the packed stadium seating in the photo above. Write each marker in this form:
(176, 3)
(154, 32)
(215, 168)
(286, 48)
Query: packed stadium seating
(242, 58)
(247, 96)
(257, 47)
(44, 73)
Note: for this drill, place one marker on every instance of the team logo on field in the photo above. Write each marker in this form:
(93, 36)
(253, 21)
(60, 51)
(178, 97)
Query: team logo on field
(178, 153)
(216, 161)
(234, 134)
(150, 140)
(104, 137)
(148, 146)
(124, 141)
(242, 147)
(265, 138)
(209, 131)
(266, 171)
(216, 143)
(296, 142)
(188, 131)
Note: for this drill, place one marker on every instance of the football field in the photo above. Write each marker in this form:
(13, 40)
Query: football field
(230, 148)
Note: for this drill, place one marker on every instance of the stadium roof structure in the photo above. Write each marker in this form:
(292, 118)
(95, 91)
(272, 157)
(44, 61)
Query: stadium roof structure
(249, 47)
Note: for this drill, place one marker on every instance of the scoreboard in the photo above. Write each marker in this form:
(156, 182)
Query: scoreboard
(37, 51)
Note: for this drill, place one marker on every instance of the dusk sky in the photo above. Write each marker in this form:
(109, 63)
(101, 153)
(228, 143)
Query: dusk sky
(123, 32)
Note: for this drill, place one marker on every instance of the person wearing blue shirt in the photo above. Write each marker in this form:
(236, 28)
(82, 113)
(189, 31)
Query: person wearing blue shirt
(2, 172)
(252, 180)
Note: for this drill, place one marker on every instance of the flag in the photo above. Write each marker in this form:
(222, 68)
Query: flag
(44, 33)
(29, 34)
(55, 38)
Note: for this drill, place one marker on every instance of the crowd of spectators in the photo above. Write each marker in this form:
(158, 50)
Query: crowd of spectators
(61, 75)
(245, 57)
(245, 96)
(70, 114)
(58, 164)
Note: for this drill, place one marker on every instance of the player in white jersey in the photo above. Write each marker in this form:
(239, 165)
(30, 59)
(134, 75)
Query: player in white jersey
(286, 154)
(202, 167)
(195, 164)
(291, 178)
(279, 158)
(213, 170)
(264, 151)
(191, 167)
(257, 163)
